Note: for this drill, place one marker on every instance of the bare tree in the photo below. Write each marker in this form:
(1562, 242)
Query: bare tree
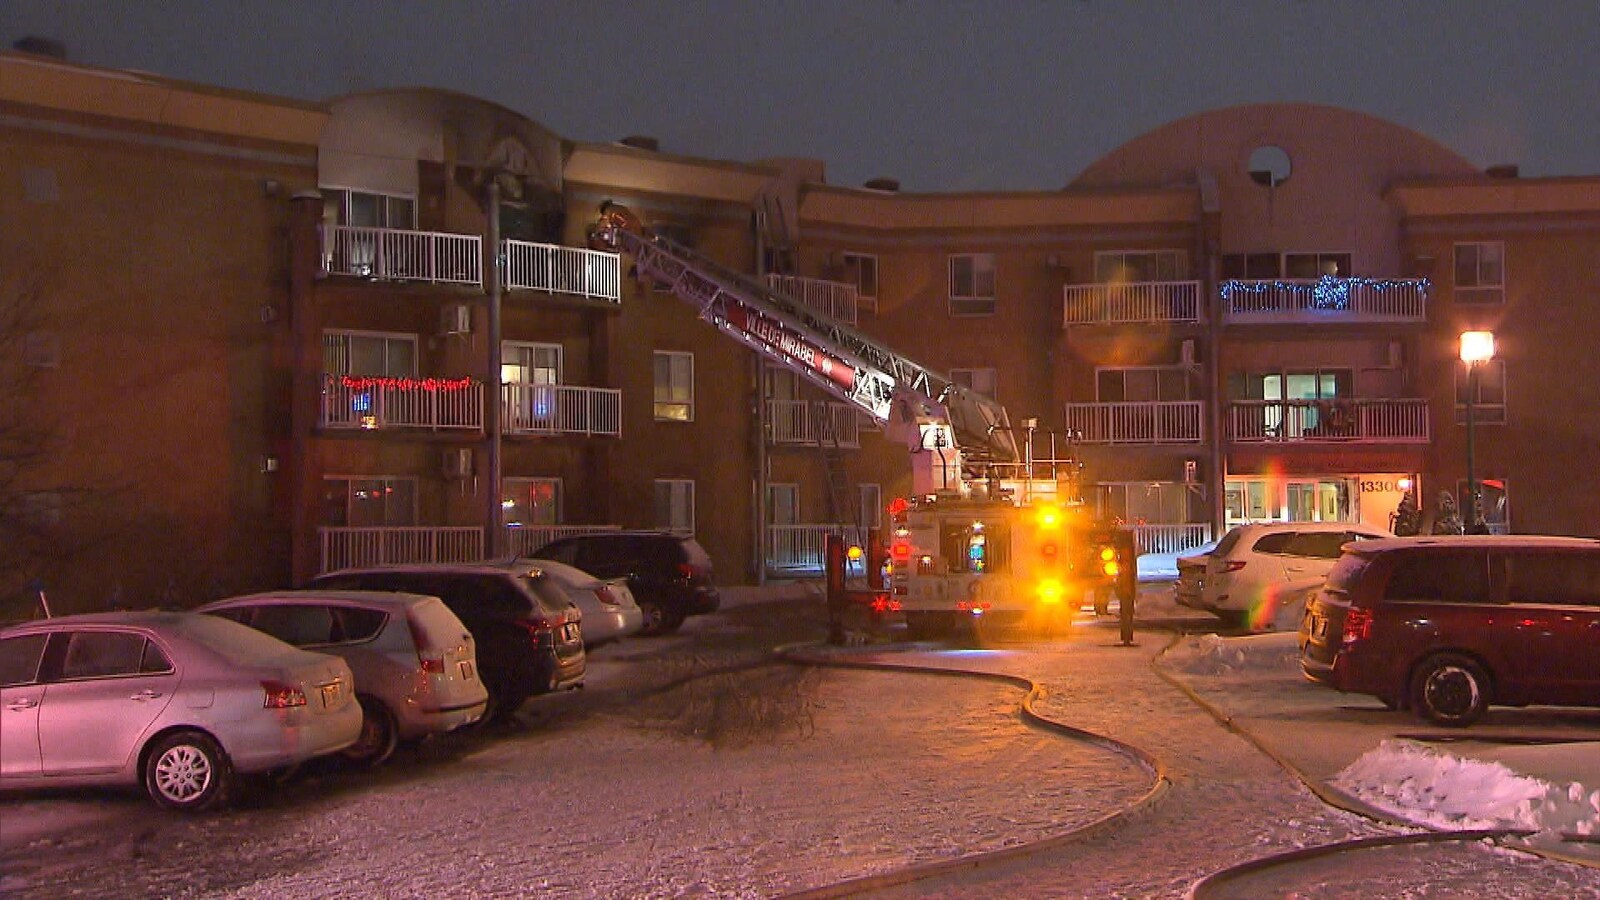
(29, 502)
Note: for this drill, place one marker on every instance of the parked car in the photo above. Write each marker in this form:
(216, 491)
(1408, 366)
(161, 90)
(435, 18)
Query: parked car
(1448, 626)
(529, 637)
(609, 610)
(178, 702)
(415, 664)
(1259, 576)
(670, 575)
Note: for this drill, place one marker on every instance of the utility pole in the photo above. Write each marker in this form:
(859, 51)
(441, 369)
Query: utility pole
(494, 392)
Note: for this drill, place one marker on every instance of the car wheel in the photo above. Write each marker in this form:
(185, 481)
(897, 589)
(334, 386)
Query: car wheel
(924, 626)
(1449, 689)
(187, 771)
(657, 620)
(379, 734)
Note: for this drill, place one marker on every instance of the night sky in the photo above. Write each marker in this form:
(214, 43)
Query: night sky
(1001, 95)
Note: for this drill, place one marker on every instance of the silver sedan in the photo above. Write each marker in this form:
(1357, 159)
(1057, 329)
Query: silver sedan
(178, 702)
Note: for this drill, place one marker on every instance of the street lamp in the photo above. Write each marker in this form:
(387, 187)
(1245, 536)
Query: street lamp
(1476, 347)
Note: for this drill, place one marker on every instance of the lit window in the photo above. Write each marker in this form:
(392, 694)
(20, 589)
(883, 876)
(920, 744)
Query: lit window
(674, 395)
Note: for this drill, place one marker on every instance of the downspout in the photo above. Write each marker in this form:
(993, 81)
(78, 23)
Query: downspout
(494, 393)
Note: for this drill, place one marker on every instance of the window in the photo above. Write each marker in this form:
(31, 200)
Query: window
(869, 506)
(1490, 403)
(299, 624)
(531, 501)
(1252, 266)
(1494, 494)
(1127, 266)
(1319, 544)
(984, 381)
(19, 659)
(1553, 579)
(1440, 577)
(529, 373)
(783, 504)
(1307, 266)
(523, 363)
(1298, 266)
(1144, 384)
(369, 502)
(96, 654)
(674, 386)
(1146, 502)
(972, 284)
(861, 270)
(675, 505)
(341, 206)
(370, 354)
(1480, 275)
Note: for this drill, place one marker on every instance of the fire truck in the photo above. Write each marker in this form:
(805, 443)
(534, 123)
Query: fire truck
(988, 532)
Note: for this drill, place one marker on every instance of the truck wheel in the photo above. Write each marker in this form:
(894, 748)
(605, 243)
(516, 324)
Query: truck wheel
(928, 626)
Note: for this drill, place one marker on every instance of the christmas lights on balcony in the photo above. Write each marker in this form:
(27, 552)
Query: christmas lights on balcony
(1327, 292)
(431, 385)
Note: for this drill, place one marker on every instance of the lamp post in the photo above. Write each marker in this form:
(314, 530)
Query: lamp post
(1476, 347)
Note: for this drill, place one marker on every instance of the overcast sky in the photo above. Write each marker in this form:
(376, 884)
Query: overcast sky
(1004, 95)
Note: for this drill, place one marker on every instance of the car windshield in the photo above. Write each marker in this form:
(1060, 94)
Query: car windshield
(1346, 572)
(1228, 542)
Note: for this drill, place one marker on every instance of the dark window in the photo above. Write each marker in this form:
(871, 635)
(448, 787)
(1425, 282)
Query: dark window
(1275, 542)
(560, 551)
(298, 624)
(1441, 577)
(352, 624)
(155, 661)
(1228, 542)
(1347, 571)
(19, 659)
(606, 557)
(1317, 544)
(95, 654)
(1553, 579)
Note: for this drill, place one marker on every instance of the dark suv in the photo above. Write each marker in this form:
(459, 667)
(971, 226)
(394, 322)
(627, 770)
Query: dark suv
(669, 575)
(1450, 625)
(528, 635)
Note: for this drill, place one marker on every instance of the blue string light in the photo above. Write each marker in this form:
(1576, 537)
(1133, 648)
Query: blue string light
(1328, 292)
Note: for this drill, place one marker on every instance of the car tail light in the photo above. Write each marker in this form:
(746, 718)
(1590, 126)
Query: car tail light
(430, 665)
(282, 696)
(1357, 625)
(1233, 565)
(539, 629)
(604, 595)
(686, 571)
(427, 665)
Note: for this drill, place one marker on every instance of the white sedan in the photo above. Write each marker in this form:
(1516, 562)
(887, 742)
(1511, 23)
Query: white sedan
(178, 702)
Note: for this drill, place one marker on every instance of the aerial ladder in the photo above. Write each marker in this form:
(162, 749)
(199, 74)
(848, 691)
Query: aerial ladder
(962, 546)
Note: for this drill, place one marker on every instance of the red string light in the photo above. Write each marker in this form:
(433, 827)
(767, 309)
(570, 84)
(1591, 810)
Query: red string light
(432, 385)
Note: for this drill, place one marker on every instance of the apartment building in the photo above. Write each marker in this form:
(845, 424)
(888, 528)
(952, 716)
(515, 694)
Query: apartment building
(399, 345)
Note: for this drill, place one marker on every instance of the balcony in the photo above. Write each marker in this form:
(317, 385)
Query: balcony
(590, 274)
(1135, 302)
(1155, 422)
(376, 403)
(525, 540)
(347, 547)
(393, 254)
(1327, 300)
(549, 409)
(830, 299)
(798, 548)
(1329, 421)
(1166, 539)
(813, 423)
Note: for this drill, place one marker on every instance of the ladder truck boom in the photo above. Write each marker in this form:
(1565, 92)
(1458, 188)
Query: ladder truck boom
(840, 360)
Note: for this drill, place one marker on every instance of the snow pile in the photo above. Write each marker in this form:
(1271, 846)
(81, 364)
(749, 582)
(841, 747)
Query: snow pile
(1212, 654)
(1422, 785)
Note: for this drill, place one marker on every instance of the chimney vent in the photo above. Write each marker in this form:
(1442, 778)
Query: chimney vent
(41, 46)
(891, 185)
(641, 142)
(1503, 170)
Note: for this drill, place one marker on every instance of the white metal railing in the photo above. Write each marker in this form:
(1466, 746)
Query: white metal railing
(1358, 421)
(1139, 301)
(593, 274)
(799, 547)
(525, 540)
(814, 423)
(345, 547)
(1156, 422)
(560, 409)
(1171, 538)
(1326, 299)
(393, 253)
(376, 403)
(833, 299)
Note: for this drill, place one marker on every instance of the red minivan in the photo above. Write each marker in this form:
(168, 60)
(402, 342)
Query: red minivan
(1448, 626)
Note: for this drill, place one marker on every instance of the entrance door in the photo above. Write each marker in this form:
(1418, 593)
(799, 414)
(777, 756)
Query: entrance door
(530, 373)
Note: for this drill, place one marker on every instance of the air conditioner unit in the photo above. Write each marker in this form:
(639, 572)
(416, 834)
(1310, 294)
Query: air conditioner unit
(1187, 352)
(458, 462)
(455, 318)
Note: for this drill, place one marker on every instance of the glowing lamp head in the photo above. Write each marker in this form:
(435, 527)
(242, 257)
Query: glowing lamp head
(1108, 554)
(1049, 517)
(854, 553)
(1477, 346)
(1112, 568)
(1404, 484)
(1051, 591)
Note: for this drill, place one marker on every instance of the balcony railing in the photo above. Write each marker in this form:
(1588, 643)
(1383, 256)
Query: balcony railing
(1140, 301)
(1326, 300)
(592, 274)
(814, 423)
(525, 540)
(834, 299)
(436, 404)
(1156, 422)
(1171, 538)
(1316, 421)
(561, 409)
(798, 548)
(344, 548)
(400, 255)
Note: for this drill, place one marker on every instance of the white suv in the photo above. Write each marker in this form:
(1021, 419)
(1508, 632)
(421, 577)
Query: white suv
(1259, 576)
